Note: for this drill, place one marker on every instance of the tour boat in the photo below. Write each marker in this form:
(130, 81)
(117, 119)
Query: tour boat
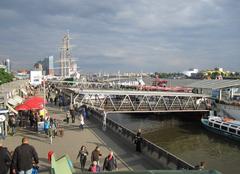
(223, 126)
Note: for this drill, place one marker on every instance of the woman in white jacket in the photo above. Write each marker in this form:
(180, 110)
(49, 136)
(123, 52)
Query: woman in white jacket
(81, 122)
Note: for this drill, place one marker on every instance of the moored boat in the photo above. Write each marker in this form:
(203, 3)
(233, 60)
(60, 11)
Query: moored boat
(224, 126)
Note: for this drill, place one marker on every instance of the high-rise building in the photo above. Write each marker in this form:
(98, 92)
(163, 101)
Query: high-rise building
(38, 66)
(7, 63)
(50, 67)
(47, 65)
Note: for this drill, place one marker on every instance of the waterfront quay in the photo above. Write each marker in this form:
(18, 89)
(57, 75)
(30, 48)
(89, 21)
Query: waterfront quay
(114, 137)
(74, 138)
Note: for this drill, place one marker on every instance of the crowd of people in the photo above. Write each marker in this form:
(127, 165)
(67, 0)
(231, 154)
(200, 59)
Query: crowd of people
(110, 162)
(24, 159)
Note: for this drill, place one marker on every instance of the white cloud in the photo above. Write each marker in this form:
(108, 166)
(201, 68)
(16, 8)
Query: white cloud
(132, 34)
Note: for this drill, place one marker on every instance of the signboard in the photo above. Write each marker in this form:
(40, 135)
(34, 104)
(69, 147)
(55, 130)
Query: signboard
(3, 111)
(2, 118)
(40, 126)
(35, 78)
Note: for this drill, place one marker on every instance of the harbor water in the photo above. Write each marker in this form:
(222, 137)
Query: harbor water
(186, 138)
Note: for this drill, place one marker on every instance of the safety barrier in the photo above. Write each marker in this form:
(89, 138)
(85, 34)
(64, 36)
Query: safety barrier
(161, 155)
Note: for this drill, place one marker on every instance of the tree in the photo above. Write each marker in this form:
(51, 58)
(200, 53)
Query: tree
(5, 77)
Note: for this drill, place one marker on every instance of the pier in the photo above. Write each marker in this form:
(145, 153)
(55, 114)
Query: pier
(118, 138)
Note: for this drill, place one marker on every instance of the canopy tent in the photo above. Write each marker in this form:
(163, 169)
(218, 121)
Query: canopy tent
(34, 105)
(31, 103)
(22, 107)
(30, 106)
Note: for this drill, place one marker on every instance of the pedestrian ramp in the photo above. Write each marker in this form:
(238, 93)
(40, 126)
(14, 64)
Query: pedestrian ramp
(62, 165)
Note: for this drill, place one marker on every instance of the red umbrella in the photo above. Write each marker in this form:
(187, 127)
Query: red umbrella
(22, 107)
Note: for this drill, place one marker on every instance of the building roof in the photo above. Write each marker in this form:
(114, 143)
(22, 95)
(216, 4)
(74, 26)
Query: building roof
(214, 84)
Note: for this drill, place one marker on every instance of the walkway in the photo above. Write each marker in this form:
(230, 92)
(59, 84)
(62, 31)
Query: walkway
(73, 139)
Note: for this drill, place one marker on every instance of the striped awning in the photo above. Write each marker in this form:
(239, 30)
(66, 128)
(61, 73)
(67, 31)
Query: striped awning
(214, 84)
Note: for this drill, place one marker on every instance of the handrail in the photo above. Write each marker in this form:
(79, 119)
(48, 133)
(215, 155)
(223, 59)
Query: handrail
(148, 146)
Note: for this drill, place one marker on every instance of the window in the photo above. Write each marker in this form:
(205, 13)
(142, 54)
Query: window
(232, 130)
(238, 132)
(224, 128)
(233, 126)
(216, 126)
(210, 124)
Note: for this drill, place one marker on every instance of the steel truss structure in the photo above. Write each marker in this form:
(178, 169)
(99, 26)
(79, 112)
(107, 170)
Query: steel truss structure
(84, 85)
(139, 101)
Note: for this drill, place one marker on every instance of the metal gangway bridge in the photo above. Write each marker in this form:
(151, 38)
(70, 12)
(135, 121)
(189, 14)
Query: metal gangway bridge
(106, 98)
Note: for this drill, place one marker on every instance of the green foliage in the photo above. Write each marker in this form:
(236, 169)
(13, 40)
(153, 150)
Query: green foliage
(5, 77)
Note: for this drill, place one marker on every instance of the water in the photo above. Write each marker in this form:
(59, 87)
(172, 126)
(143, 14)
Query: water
(186, 139)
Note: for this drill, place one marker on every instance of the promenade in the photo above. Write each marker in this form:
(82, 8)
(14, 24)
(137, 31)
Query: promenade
(74, 138)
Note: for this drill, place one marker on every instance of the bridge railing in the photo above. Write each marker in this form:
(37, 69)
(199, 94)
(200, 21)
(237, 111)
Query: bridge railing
(164, 157)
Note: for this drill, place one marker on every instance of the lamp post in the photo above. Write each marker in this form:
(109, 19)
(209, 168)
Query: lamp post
(44, 96)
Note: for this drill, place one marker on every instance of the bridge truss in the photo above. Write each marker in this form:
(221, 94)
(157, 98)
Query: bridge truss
(139, 101)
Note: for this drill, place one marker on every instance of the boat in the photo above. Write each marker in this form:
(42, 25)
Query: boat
(224, 126)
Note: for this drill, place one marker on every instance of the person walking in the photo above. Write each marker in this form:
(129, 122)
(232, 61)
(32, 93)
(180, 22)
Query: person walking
(67, 117)
(46, 125)
(12, 124)
(81, 122)
(23, 158)
(96, 154)
(110, 162)
(5, 159)
(50, 133)
(82, 154)
(72, 113)
(138, 141)
(55, 100)
(54, 127)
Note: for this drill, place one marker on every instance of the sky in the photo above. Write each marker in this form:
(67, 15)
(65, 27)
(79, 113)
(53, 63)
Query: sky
(123, 35)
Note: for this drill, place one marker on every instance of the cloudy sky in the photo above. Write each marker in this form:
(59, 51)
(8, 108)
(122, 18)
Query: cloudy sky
(125, 35)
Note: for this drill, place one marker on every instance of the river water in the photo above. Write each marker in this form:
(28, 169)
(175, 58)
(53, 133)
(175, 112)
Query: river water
(187, 139)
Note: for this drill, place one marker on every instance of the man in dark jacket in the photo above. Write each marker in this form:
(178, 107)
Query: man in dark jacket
(96, 155)
(138, 141)
(5, 160)
(23, 158)
(110, 162)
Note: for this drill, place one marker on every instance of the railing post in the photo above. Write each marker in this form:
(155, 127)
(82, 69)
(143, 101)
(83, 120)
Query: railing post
(104, 125)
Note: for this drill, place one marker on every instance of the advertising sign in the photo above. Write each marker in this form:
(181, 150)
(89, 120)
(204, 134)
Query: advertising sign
(35, 78)
(40, 126)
